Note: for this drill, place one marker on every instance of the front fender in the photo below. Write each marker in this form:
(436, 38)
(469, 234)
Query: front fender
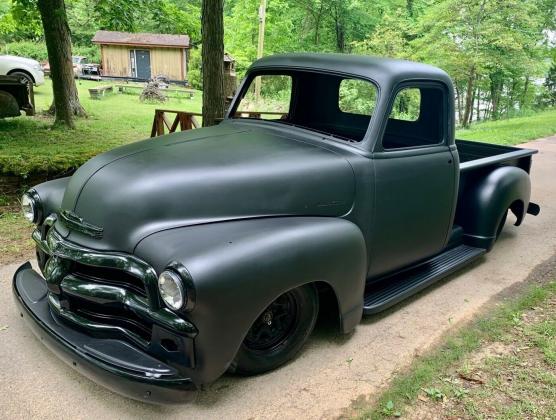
(51, 194)
(484, 203)
(239, 267)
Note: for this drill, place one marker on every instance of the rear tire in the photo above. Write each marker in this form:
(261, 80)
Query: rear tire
(279, 332)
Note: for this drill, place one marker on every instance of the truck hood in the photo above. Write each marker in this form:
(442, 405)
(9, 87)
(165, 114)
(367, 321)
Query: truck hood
(231, 171)
(22, 60)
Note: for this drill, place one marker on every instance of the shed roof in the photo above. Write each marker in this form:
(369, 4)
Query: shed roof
(141, 39)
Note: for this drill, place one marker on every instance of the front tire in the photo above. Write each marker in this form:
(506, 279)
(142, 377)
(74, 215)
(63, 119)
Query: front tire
(24, 78)
(279, 332)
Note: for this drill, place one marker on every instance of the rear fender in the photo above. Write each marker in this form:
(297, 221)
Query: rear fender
(484, 203)
(239, 267)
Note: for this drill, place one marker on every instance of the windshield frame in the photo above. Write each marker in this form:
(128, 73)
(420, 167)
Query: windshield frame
(363, 143)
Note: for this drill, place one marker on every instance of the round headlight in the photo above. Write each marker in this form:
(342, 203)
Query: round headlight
(171, 289)
(29, 207)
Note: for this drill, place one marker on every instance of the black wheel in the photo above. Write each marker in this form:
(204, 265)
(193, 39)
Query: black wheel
(279, 332)
(23, 78)
(501, 224)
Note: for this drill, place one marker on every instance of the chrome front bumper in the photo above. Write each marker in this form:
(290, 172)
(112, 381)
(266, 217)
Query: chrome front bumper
(113, 363)
(119, 332)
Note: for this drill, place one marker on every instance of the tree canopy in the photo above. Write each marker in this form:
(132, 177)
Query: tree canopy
(500, 53)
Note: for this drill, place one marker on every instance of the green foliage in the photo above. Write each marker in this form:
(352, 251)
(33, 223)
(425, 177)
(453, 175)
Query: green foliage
(434, 393)
(548, 97)
(194, 74)
(120, 15)
(389, 410)
(176, 17)
(496, 51)
(36, 50)
(274, 96)
(407, 105)
(20, 20)
(357, 97)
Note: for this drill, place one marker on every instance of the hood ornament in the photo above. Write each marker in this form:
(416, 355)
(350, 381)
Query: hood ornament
(73, 222)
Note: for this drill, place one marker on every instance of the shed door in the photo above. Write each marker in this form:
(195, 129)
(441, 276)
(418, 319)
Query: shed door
(143, 64)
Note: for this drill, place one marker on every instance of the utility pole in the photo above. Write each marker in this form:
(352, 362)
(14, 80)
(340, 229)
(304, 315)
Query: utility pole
(260, 45)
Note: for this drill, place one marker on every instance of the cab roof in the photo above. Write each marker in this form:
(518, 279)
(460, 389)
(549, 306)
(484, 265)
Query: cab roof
(385, 71)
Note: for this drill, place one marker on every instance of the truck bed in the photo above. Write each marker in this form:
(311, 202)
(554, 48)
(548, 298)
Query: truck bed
(475, 155)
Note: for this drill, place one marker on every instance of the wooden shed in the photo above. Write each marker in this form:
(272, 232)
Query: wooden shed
(142, 55)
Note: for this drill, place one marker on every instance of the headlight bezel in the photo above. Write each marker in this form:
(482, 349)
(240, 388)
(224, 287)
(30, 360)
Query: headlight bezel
(36, 206)
(187, 284)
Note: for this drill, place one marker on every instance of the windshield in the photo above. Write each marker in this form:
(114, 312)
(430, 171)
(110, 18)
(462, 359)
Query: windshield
(339, 106)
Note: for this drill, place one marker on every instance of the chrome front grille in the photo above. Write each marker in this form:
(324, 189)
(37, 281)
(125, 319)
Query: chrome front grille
(105, 292)
(109, 276)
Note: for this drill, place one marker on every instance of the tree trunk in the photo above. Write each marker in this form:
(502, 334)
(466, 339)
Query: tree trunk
(468, 98)
(212, 27)
(458, 104)
(58, 44)
(495, 93)
(339, 26)
(472, 104)
(524, 94)
(478, 110)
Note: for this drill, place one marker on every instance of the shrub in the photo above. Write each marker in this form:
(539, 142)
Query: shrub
(36, 50)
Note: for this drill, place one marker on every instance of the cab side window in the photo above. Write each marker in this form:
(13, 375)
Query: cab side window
(416, 118)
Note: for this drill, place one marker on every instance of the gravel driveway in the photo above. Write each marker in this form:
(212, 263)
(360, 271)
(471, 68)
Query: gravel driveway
(331, 372)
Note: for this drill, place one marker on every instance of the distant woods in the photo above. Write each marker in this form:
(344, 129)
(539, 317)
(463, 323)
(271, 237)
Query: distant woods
(500, 53)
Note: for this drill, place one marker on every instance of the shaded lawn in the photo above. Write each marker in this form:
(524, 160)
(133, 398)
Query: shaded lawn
(29, 145)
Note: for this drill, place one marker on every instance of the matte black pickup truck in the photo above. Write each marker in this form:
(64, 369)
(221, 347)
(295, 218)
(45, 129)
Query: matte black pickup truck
(335, 184)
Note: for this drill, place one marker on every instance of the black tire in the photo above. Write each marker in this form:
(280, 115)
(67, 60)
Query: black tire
(23, 77)
(279, 332)
(501, 224)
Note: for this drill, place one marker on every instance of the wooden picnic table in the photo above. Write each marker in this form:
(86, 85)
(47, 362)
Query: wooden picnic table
(99, 92)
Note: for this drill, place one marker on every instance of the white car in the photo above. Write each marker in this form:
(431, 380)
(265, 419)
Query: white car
(27, 69)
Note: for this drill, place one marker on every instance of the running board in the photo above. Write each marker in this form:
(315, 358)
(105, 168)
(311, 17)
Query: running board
(392, 289)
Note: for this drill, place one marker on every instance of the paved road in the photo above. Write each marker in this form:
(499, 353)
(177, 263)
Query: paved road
(331, 371)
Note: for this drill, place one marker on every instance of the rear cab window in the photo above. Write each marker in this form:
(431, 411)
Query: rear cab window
(335, 105)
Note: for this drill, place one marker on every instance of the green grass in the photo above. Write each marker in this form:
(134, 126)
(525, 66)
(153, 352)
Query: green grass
(514, 130)
(434, 377)
(29, 144)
